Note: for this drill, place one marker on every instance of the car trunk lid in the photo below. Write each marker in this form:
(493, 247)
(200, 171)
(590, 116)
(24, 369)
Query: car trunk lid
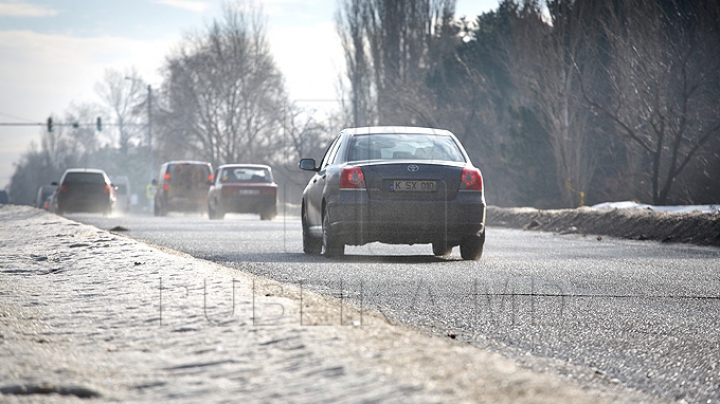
(412, 181)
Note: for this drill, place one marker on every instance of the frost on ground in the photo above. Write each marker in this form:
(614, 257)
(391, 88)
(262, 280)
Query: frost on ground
(91, 316)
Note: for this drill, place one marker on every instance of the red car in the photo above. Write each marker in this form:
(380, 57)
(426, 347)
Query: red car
(243, 188)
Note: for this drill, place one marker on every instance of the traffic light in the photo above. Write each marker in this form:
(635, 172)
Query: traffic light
(99, 124)
(49, 124)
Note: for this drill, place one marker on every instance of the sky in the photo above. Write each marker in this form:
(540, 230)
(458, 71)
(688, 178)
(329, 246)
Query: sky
(54, 52)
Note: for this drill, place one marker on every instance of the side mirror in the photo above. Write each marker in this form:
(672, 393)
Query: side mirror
(54, 183)
(308, 164)
(154, 182)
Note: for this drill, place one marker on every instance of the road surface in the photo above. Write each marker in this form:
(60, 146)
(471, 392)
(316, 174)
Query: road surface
(600, 311)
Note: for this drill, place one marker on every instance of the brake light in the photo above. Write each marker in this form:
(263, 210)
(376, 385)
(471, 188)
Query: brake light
(352, 177)
(211, 177)
(64, 189)
(167, 176)
(471, 179)
(166, 184)
(107, 189)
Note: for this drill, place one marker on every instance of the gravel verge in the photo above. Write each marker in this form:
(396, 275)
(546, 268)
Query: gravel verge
(91, 316)
(634, 224)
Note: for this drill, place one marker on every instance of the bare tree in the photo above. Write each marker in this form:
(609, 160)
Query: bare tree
(550, 60)
(349, 19)
(664, 83)
(224, 92)
(82, 137)
(389, 48)
(122, 97)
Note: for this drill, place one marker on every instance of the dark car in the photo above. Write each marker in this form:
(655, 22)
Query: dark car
(4, 197)
(44, 196)
(84, 190)
(397, 185)
(182, 187)
(243, 188)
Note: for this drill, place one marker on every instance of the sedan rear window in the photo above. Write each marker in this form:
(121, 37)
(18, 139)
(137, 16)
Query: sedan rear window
(92, 178)
(245, 174)
(403, 147)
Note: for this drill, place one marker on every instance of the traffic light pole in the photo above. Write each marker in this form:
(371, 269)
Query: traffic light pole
(51, 125)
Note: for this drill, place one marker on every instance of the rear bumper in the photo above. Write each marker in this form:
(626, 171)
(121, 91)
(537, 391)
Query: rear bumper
(356, 220)
(84, 203)
(248, 205)
(180, 204)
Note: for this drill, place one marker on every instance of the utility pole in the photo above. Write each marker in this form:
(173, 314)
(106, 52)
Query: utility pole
(150, 143)
(151, 162)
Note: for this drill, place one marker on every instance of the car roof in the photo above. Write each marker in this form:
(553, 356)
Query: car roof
(244, 166)
(369, 130)
(204, 163)
(85, 170)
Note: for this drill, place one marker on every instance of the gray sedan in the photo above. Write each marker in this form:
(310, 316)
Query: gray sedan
(397, 185)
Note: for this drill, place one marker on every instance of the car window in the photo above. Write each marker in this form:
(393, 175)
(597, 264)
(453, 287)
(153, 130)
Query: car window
(403, 146)
(245, 175)
(330, 153)
(190, 173)
(91, 178)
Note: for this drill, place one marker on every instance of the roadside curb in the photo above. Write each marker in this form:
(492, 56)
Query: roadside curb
(692, 228)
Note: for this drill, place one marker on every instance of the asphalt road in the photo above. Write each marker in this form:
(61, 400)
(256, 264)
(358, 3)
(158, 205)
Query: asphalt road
(604, 312)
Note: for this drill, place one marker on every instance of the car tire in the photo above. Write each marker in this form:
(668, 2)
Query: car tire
(214, 213)
(311, 245)
(471, 248)
(159, 209)
(331, 246)
(269, 214)
(441, 249)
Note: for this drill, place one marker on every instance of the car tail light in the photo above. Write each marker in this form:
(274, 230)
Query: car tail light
(211, 177)
(166, 185)
(64, 189)
(471, 179)
(107, 189)
(352, 177)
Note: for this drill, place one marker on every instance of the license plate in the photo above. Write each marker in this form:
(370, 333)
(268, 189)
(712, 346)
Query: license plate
(413, 186)
(248, 192)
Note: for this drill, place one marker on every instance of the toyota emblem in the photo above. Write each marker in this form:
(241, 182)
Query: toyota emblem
(412, 168)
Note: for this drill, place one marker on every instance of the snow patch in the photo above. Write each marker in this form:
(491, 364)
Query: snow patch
(714, 209)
